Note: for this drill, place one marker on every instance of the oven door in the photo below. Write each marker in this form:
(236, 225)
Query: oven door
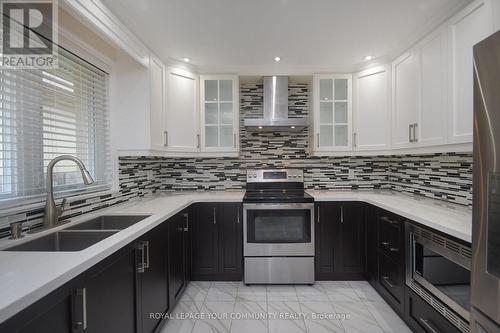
(278, 229)
(443, 273)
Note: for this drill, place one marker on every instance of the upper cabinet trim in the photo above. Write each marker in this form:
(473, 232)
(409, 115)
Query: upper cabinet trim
(102, 19)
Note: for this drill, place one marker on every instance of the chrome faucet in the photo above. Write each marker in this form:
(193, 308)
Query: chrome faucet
(52, 212)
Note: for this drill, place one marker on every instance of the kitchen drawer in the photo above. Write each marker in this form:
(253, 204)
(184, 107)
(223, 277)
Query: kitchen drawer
(391, 236)
(424, 319)
(391, 278)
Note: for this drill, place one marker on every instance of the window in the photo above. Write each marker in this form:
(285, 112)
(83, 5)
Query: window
(47, 113)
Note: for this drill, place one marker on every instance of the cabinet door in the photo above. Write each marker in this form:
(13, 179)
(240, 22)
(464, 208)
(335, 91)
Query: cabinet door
(467, 28)
(219, 113)
(372, 243)
(152, 281)
(109, 294)
(405, 101)
(433, 113)
(332, 112)
(51, 314)
(203, 239)
(157, 107)
(372, 116)
(229, 241)
(182, 111)
(326, 237)
(352, 238)
(177, 257)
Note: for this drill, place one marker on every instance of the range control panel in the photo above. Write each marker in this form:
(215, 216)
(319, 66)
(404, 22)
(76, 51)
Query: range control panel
(275, 175)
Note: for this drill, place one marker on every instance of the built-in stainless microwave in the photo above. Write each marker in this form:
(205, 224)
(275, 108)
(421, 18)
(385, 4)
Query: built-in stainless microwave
(438, 270)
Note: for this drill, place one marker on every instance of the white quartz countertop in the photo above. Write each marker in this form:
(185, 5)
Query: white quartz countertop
(26, 277)
(451, 219)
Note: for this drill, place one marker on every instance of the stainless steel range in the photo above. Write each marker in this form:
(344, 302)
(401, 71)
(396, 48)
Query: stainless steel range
(278, 228)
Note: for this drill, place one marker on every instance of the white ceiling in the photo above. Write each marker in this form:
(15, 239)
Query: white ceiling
(244, 36)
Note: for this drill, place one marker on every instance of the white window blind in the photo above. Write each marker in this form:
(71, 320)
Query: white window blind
(46, 113)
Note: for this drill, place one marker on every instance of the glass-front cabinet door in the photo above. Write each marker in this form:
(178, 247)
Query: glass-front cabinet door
(219, 113)
(332, 112)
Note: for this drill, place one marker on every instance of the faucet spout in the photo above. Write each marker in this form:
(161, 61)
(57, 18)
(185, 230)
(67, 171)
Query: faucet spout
(52, 212)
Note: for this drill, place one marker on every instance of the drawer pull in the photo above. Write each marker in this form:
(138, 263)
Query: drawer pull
(388, 281)
(389, 247)
(388, 220)
(428, 325)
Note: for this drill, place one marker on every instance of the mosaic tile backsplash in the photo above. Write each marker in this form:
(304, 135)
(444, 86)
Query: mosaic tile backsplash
(441, 176)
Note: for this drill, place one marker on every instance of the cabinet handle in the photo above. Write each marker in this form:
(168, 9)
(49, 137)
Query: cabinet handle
(238, 217)
(388, 220)
(317, 140)
(318, 216)
(428, 324)
(80, 305)
(215, 219)
(197, 141)
(165, 135)
(186, 227)
(141, 265)
(234, 140)
(388, 281)
(146, 245)
(355, 139)
(389, 247)
(409, 132)
(341, 214)
(415, 138)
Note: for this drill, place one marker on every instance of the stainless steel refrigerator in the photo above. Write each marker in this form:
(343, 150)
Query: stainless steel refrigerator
(485, 295)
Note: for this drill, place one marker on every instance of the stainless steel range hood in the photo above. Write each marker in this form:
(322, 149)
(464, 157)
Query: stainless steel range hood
(276, 108)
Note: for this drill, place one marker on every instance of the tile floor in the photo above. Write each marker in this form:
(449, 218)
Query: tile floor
(346, 306)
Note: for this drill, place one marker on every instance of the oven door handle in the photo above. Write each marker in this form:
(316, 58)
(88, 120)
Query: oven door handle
(278, 206)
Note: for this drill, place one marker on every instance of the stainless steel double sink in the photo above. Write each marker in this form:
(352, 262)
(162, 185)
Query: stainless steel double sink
(80, 236)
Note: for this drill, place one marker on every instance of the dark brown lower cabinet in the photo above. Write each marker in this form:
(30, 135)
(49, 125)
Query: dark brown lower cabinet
(102, 299)
(178, 231)
(422, 317)
(50, 314)
(152, 277)
(340, 241)
(203, 237)
(391, 282)
(372, 242)
(390, 250)
(108, 295)
(217, 242)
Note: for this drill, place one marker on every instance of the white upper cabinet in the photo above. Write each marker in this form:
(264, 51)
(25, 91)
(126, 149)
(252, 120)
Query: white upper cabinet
(405, 100)
(433, 114)
(219, 121)
(157, 104)
(332, 112)
(182, 134)
(372, 111)
(467, 28)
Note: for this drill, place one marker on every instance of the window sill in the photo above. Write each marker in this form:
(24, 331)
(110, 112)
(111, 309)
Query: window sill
(23, 206)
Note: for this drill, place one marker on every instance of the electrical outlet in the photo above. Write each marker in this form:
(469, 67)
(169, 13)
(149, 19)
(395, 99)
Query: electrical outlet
(352, 174)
